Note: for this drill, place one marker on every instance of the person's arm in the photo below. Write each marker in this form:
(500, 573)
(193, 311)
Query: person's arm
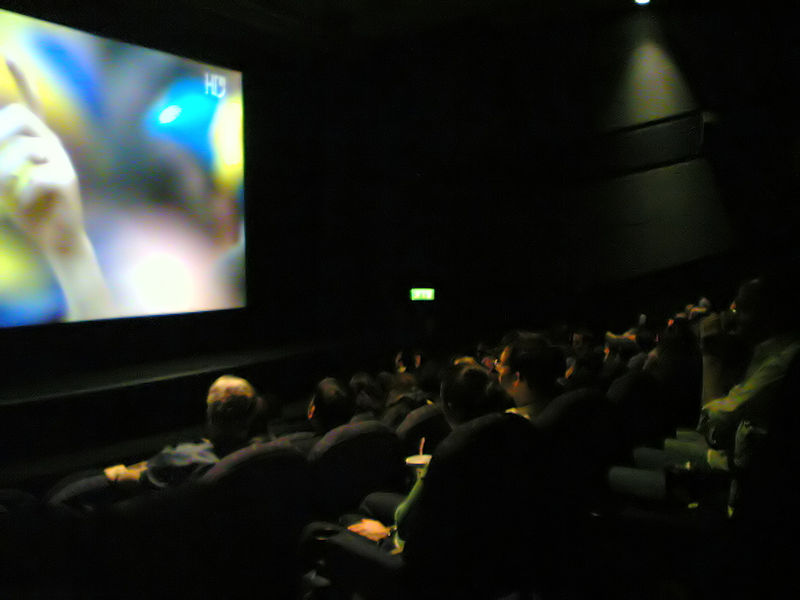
(403, 516)
(371, 529)
(406, 512)
(713, 365)
(39, 191)
(713, 379)
(126, 474)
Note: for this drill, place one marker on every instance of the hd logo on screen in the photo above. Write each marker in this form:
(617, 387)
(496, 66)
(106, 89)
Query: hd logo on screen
(215, 85)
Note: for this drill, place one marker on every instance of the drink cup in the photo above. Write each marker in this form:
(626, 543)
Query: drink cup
(418, 463)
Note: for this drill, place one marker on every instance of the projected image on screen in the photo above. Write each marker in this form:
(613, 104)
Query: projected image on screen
(121, 179)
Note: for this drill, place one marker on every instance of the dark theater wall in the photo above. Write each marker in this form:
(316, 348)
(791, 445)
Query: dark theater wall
(633, 225)
(489, 160)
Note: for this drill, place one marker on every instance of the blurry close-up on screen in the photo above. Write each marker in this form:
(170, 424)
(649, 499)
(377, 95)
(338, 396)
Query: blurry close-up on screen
(121, 179)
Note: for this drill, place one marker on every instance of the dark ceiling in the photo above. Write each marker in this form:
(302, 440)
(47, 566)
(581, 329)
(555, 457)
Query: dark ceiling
(732, 53)
(387, 18)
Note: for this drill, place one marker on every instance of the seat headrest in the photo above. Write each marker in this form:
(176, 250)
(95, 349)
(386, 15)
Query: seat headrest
(345, 434)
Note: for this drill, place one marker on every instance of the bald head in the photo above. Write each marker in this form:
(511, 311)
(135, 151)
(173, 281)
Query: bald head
(228, 388)
(231, 405)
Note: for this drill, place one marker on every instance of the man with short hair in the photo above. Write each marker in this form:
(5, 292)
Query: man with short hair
(528, 370)
(331, 405)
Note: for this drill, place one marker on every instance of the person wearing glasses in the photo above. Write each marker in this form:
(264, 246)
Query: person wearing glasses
(528, 370)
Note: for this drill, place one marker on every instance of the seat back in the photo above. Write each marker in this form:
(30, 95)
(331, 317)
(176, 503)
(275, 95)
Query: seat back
(583, 443)
(259, 472)
(302, 440)
(426, 422)
(232, 531)
(84, 492)
(766, 496)
(352, 461)
(643, 415)
(766, 518)
(475, 529)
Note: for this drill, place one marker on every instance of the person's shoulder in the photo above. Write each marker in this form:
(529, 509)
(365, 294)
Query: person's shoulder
(202, 450)
(176, 464)
(774, 355)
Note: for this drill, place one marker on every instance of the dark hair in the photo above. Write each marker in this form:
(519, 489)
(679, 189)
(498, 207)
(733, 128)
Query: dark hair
(332, 405)
(511, 337)
(407, 357)
(467, 392)
(367, 393)
(363, 381)
(429, 377)
(678, 367)
(538, 362)
(399, 403)
(266, 408)
(482, 350)
(385, 379)
(402, 382)
(778, 295)
(587, 336)
(646, 339)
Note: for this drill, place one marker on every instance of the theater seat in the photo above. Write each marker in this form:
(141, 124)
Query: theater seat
(252, 474)
(302, 440)
(259, 499)
(766, 496)
(482, 528)
(85, 492)
(351, 461)
(485, 499)
(584, 442)
(642, 410)
(766, 516)
(225, 535)
(425, 422)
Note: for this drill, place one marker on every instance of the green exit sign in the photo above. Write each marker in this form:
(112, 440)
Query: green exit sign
(422, 294)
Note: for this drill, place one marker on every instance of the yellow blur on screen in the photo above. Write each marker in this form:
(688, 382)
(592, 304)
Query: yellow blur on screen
(61, 107)
(227, 140)
(21, 274)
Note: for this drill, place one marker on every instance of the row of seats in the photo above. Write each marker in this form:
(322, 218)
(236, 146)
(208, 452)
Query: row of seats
(518, 508)
(246, 512)
(244, 515)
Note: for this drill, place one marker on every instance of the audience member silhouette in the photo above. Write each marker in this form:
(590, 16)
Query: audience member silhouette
(735, 422)
(584, 362)
(232, 404)
(331, 405)
(528, 370)
(677, 365)
(368, 397)
(402, 397)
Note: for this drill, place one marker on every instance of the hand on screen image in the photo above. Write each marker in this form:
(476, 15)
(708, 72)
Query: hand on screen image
(39, 192)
